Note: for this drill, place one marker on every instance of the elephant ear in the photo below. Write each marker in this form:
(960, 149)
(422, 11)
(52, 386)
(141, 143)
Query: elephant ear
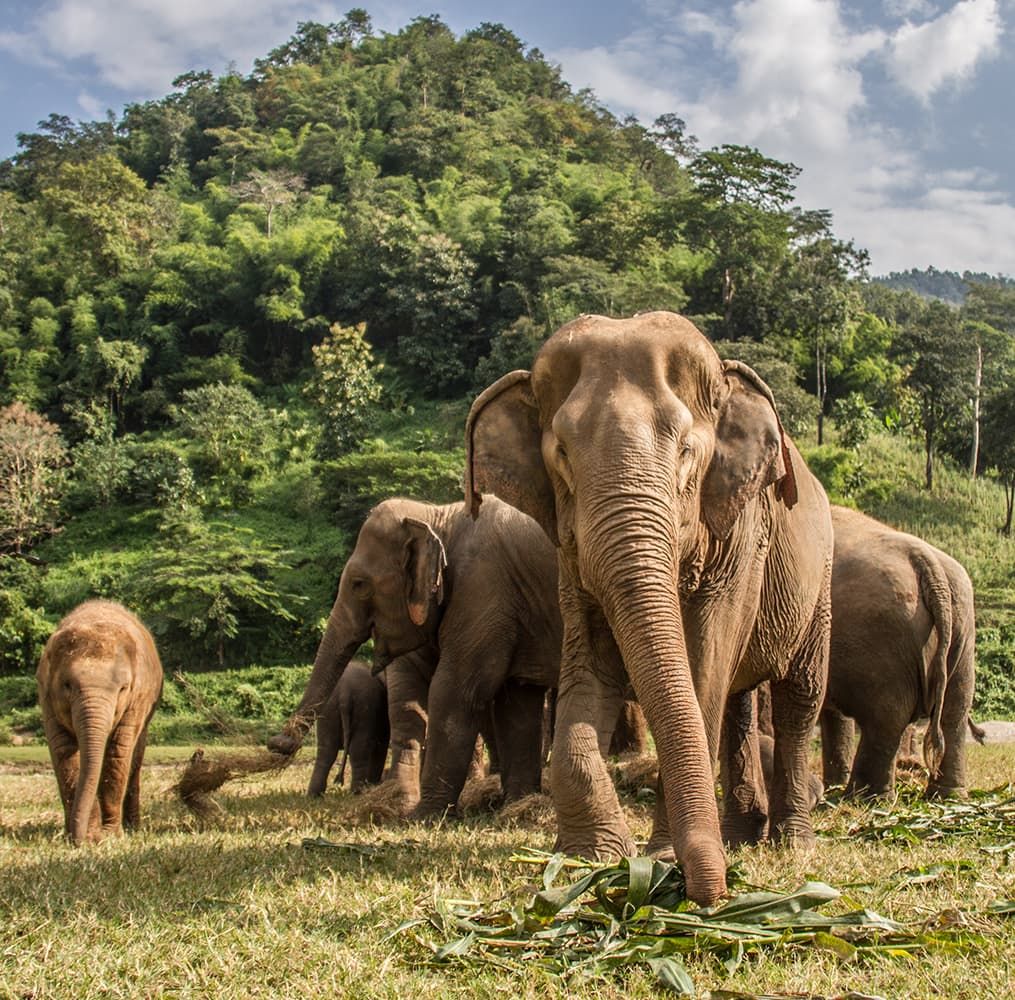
(751, 452)
(425, 561)
(503, 451)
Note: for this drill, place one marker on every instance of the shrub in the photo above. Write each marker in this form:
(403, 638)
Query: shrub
(355, 483)
(855, 419)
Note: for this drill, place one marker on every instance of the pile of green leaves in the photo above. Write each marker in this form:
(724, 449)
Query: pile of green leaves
(636, 912)
(988, 814)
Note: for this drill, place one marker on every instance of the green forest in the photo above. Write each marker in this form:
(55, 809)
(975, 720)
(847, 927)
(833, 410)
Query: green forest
(235, 318)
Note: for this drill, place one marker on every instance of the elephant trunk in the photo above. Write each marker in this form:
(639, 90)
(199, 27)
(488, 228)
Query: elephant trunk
(338, 645)
(93, 722)
(633, 570)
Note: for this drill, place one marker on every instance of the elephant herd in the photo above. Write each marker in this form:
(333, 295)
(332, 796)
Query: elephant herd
(636, 525)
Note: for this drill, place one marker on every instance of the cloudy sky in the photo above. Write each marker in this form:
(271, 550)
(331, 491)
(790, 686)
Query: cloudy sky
(898, 112)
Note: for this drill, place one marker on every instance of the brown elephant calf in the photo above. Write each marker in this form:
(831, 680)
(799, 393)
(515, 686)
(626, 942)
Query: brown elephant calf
(99, 681)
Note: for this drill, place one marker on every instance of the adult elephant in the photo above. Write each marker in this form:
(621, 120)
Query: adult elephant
(469, 608)
(902, 648)
(695, 553)
(99, 680)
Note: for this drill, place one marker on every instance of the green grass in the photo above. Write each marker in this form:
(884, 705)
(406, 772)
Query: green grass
(240, 908)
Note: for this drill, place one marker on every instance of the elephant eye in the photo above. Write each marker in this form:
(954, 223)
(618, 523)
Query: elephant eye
(361, 588)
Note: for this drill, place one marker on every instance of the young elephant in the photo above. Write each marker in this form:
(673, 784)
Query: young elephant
(902, 649)
(474, 605)
(99, 681)
(355, 718)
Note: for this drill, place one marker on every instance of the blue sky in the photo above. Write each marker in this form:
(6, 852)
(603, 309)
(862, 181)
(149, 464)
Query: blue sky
(899, 113)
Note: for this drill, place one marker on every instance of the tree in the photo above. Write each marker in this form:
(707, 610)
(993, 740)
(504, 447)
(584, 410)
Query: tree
(32, 458)
(271, 189)
(344, 387)
(739, 213)
(105, 209)
(820, 302)
(937, 351)
(231, 432)
(999, 444)
(207, 583)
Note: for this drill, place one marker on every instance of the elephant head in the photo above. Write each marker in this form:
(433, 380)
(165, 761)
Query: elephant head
(88, 674)
(389, 590)
(636, 449)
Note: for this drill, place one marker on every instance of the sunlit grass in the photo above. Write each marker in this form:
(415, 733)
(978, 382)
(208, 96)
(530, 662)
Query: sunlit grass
(241, 909)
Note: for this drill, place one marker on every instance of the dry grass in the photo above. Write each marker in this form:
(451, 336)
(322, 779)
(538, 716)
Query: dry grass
(241, 908)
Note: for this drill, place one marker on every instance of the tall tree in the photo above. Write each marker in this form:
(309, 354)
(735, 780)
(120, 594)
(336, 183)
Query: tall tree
(937, 351)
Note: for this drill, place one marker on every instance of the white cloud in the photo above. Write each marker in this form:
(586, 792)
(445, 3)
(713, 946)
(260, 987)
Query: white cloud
(92, 106)
(789, 78)
(139, 46)
(925, 57)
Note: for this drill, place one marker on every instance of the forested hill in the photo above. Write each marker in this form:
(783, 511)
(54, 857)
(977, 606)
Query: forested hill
(949, 286)
(235, 317)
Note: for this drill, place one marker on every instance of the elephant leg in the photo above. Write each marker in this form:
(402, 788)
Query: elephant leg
(330, 739)
(590, 821)
(951, 779)
(873, 771)
(452, 728)
(116, 768)
(631, 733)
(132, 800)
(63, 751)
(364, 749)
(407, 717)
(838, 744)
(796, 704)
(518, 717)
(378, 755)
(745, 799)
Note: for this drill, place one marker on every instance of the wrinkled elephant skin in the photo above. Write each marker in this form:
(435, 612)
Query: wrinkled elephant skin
(99, 680)
(695, 555)
(463, 614)
(902, 649)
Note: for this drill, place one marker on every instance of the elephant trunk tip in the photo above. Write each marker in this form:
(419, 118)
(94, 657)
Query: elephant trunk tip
(290, 739)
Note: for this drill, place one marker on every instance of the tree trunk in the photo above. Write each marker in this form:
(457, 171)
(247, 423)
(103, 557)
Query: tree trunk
(974, 456)
(928, 448)
(821, 386)
(1009, 495)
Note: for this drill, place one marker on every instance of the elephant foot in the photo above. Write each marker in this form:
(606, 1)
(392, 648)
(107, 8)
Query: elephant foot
(937, 790)
(660, 849)
(745, 828)
(604, 847)
(432, 815)
(862, 792)
(793, 832)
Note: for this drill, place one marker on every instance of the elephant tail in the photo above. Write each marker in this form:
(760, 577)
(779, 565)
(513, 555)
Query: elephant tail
(937, 596)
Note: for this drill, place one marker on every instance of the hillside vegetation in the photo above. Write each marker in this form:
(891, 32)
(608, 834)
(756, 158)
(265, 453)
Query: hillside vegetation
(238, 316)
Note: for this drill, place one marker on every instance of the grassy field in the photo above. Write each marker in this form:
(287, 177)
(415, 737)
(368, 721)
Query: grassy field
(240, 907)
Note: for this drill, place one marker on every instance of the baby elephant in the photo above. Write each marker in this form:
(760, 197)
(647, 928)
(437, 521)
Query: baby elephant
(99, 681)
(354, 717)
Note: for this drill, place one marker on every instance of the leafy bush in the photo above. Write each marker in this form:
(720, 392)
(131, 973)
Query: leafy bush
(209, 590)
(855, 419)
(995, 673)
(355, 483)
(24, 627)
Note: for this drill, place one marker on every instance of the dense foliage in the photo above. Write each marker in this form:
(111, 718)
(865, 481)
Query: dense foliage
(250, 309)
